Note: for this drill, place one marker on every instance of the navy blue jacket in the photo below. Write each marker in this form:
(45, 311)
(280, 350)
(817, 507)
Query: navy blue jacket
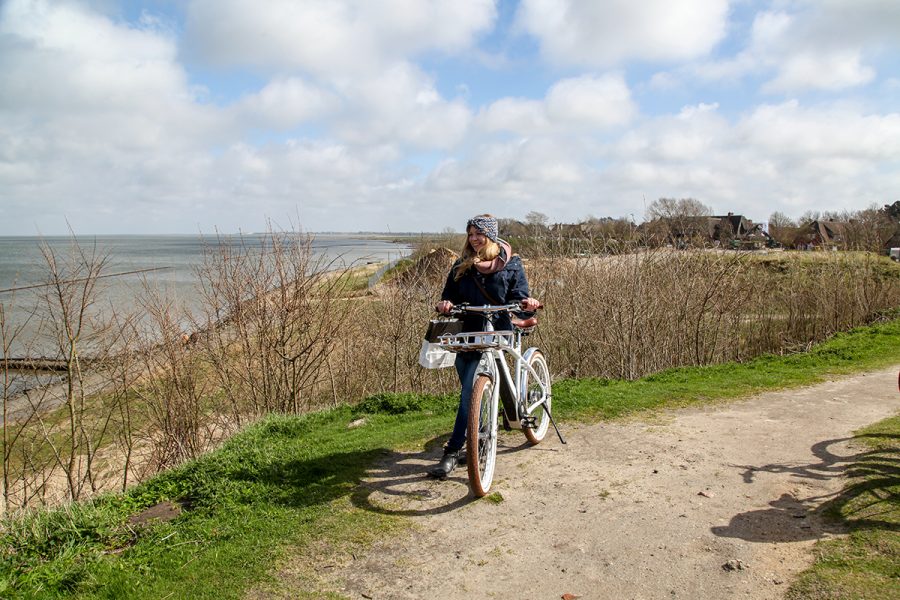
(506, 286)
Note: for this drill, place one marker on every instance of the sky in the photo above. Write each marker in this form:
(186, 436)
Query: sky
(173, 116)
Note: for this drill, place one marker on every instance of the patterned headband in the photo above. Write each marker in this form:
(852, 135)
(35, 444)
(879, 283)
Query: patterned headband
(486, 225)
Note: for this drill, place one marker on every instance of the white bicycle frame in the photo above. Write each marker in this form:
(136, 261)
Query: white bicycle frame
(495, 345)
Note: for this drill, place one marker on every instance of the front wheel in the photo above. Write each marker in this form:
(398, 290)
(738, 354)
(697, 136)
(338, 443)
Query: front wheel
(536, 389)
(481, 436)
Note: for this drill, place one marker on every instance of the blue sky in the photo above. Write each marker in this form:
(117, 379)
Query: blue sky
(411, 115)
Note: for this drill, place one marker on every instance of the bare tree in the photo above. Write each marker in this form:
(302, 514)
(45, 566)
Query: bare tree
(68, 299)
(680, 221)
(174, 387)
(273, 315)
(783, 229)
(670, 208)
(869, 229)
(808, 217)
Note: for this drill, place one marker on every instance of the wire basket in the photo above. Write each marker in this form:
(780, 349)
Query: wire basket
(476, 340)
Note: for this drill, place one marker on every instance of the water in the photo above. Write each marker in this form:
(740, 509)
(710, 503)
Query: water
(175, 258)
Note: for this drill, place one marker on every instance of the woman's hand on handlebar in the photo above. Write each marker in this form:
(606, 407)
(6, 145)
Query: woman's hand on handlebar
(444, 307)
(530, 304)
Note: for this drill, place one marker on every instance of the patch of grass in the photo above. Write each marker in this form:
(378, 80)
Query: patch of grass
(866, 563)
(390, 403)
(274, 485)
(494, 498)
(285, 486)
(400, 267)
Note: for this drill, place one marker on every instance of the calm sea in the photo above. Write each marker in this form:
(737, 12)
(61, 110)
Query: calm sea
(175, 258)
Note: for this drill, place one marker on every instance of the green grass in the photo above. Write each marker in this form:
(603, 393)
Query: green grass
(865, 348)
(269, 487)
(866, 563)
(285, 486)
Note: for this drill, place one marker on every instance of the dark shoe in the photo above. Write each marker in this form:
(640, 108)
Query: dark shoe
(446, 466)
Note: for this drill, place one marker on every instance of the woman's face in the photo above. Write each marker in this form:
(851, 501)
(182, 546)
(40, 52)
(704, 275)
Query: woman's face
(477, 239)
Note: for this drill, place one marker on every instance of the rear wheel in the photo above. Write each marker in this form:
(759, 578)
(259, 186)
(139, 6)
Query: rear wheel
(536, 389)
(481, 436)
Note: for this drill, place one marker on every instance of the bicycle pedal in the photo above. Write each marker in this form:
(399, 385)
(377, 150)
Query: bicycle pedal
(529, 422)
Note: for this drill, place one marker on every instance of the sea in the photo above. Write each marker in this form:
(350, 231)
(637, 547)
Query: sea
(167, 263)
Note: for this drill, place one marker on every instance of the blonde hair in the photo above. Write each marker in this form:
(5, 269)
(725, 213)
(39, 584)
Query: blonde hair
(468, 257)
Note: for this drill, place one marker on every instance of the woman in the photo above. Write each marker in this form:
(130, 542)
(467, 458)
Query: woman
(486, 273)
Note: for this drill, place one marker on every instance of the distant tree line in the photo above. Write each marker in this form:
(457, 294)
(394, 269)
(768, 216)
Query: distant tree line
(689, 222)
(867, 229)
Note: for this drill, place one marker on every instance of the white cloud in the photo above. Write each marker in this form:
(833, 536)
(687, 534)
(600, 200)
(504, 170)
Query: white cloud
(790, 131)
(332, 36)
(286, 102)
(607, 33)
(59, 56)
(591, 101)
(777, 157)
(102, 123)
(518, 115)
(823, 71)
(523, 167)
(97, 118)
(580, 104)
(400, 104)
(824, 45)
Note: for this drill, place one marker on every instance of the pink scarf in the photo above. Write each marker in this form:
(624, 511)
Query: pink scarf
(486, 267)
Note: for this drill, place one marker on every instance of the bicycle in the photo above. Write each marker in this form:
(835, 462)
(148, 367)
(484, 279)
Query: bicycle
(525, 392)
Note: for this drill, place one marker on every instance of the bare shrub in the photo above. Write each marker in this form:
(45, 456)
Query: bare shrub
(380, 351)
(73, 328)
(630, 315)
(273, 316)
(172, 387)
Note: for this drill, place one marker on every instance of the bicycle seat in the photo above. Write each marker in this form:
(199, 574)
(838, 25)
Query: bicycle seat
(528, 323)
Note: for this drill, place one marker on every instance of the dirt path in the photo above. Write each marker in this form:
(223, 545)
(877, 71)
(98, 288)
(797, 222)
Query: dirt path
(629, 510)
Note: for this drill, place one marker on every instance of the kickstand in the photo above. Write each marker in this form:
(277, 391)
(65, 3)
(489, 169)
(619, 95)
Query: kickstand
(549, 414)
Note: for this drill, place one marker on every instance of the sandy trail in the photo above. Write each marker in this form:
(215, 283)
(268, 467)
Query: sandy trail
(641, 509)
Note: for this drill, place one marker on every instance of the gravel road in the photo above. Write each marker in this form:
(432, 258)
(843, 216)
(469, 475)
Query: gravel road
(713, 502)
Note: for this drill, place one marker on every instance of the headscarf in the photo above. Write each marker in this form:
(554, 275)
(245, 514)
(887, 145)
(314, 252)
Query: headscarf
(486, 225)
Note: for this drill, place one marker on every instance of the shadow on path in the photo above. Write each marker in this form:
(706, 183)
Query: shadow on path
(397, 483)
(870, 499)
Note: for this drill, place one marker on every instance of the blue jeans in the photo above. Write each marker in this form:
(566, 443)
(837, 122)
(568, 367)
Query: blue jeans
(466, 365)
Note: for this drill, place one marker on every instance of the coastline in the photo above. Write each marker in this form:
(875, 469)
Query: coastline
(173, 259)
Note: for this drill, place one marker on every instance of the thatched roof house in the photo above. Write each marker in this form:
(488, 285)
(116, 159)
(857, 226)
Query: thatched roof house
(822, 234)
(706, 230)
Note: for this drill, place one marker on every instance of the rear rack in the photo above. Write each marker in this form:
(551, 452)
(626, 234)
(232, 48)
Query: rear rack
(476, 340)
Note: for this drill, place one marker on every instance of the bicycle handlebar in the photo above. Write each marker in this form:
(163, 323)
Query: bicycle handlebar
(487, 308)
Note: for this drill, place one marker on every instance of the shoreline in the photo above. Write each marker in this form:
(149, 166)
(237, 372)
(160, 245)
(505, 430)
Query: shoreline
(36, 368)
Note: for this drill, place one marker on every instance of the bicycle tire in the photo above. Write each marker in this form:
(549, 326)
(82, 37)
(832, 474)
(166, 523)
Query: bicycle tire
(481, 436)
(533, 391)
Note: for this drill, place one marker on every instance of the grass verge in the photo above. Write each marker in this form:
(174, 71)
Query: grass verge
(286, 484)
(862, 349)
(866, 563)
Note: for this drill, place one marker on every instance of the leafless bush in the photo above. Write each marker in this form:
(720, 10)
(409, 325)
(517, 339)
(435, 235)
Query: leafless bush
(172, 387)
(380, 350)
(74, 328)
(26, 465)
(274, 315)
(631, 315)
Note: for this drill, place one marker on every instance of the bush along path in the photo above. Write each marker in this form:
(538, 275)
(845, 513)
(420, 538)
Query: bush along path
(283, 507)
